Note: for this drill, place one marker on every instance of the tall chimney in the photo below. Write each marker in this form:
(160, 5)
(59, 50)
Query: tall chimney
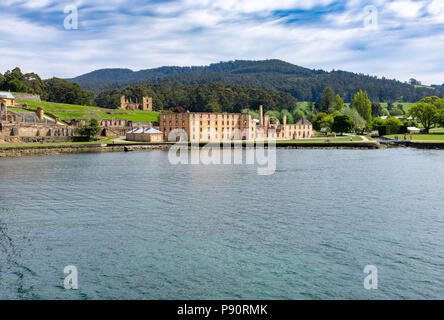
(261, 115)
(122, 102)
(284, 120)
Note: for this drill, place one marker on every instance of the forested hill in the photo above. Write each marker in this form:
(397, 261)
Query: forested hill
(271, 75)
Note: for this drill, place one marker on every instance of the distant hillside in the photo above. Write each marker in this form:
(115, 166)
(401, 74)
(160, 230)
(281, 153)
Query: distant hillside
(270, 75)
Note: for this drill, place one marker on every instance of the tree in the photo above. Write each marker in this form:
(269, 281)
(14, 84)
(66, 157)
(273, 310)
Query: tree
(427, 114)
(60, 90)
(395, 112)
(16, 85)
(290, 119)
(360, 123)
(414, 82)
(363, 105)
(91, 129)
(297, 115)
(389, 106)
(441, 119)
(393, 125)
(377, 110)
(339, 103)
(328, 100)
(343, 123)
(311, 106)
(317, 121)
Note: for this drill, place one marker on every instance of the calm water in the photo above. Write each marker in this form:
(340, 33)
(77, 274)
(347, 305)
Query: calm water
(137, 227)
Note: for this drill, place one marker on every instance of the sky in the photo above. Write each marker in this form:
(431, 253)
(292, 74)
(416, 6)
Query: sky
(399, 39)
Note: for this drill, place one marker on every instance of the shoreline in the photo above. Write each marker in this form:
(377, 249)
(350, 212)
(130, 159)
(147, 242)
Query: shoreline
(19, 151)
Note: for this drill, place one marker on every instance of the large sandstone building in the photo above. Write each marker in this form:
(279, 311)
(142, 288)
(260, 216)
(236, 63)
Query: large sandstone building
(146, 105)
(215, 127)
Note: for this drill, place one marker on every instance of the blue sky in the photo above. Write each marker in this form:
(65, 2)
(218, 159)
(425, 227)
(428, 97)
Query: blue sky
(404, 40)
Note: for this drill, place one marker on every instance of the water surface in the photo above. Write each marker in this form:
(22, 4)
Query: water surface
(137, 227)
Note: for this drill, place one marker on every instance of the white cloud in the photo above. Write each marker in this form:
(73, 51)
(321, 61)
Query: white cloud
(196, 32)
(406, 8)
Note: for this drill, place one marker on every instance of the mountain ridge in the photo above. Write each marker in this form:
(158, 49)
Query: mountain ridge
(271, 75)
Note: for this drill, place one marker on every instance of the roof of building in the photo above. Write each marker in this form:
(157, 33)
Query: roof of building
(8, 95)
(142, 130)
(152, 130)
(303, 121)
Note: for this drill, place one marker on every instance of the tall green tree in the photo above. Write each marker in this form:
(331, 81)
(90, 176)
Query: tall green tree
(363, 105)
(328, 100)
(377, 110)
(339, 103)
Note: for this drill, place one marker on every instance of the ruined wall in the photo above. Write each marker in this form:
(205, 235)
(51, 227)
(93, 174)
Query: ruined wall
(27, 96)
(36, 130)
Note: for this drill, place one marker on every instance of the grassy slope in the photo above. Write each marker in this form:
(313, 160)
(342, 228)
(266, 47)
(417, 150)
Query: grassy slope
(70, 111)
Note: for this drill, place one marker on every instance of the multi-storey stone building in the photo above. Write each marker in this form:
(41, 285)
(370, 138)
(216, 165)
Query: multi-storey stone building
(146, 105)
(197, 126)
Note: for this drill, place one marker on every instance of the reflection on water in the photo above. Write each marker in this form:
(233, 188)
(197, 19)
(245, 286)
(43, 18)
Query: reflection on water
(137, 227)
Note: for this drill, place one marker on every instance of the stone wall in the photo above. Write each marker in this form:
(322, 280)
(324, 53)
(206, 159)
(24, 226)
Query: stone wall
(21, 140)
(27, 96)
(36, 130)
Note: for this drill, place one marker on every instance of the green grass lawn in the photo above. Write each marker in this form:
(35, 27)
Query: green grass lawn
(324, 140)
(132, 116)
(17, 109)
(422, 86)
(405, 105)
(71, 111)
(419, 137)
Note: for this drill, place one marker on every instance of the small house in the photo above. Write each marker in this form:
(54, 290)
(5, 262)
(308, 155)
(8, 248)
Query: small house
(7, 99)
(145, 135)
(413, 130)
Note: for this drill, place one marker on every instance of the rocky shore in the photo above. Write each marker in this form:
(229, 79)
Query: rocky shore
(83, 148)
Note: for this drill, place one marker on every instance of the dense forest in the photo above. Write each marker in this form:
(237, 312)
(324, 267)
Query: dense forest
(212, 97)
(54, 89)
(270, 75)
